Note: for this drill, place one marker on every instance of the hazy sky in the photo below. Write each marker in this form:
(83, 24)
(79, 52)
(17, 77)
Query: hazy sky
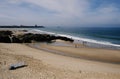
(59, 12)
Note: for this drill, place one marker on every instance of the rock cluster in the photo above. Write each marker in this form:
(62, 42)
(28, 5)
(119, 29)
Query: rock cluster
(8, 37)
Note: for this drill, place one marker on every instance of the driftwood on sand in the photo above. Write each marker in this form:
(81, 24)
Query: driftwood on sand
(17, 65)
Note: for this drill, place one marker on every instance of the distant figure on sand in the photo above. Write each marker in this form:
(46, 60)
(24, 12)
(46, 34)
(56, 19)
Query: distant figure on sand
(76, 45)
(84, 43)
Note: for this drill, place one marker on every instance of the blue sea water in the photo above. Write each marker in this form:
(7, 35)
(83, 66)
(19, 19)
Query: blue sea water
(101, 34)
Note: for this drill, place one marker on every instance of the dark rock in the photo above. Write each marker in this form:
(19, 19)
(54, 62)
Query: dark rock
(5, 39)
(64, 38)
(4, 36)
(5, 33)
(16, 40)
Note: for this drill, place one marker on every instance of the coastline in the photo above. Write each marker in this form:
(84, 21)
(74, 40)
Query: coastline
(91, 63)
(87, 42)
(77, 40)
(70, 49)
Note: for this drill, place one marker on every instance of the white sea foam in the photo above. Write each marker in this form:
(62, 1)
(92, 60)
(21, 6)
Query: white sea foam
(41, 31)
(88, 42)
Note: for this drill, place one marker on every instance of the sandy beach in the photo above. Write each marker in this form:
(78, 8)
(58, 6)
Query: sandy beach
(46, 65)
(58, 60)
(84, 52)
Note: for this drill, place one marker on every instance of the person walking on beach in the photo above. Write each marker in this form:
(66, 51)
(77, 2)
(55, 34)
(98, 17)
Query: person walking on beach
(75, 45)
(84, 43)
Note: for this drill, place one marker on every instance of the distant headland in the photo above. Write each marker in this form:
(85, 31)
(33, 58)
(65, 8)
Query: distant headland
(21, 26)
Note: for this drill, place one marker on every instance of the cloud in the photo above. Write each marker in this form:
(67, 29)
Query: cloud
(102, 15)
(59, 12)
(70, 7)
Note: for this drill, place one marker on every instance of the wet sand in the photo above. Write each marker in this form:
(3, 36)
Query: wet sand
(80, 51)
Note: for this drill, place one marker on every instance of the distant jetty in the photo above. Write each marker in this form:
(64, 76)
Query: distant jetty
(21, 26)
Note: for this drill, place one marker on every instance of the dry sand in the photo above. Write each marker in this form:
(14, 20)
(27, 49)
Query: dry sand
(46, 65)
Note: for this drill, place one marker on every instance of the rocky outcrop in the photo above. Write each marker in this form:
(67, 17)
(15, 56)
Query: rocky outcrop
(4, 36)
(6, 33)
(28, 38)
(5, 39)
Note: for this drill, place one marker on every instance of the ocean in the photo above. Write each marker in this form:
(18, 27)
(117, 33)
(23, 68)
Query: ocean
(94, 36)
